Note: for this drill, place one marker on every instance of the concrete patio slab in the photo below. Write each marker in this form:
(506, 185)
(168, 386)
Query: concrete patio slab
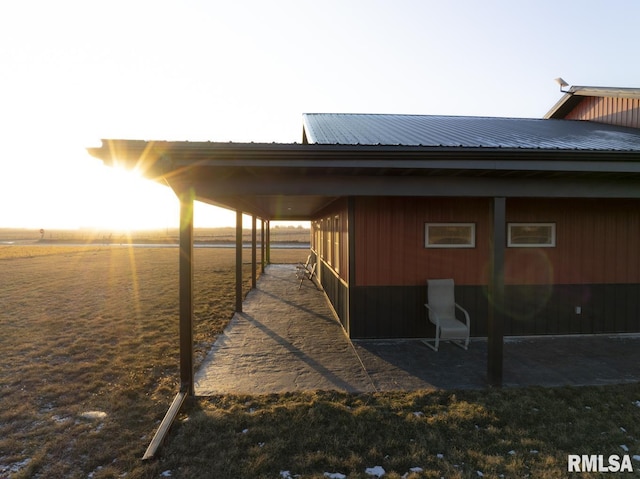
(288, 339)
(536, 361)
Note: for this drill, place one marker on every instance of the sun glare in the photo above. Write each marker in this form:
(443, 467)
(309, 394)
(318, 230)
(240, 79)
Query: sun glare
(132, 202)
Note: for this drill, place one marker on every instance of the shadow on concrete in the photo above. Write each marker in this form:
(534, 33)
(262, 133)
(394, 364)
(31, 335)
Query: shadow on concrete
(540, 361)
(288, 339)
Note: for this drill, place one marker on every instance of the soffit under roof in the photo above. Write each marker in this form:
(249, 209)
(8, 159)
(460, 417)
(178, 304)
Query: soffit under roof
(466, 132)
(298, 181)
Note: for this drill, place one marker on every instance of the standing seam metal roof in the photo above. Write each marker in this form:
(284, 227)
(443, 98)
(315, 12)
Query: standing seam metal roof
(466, 131)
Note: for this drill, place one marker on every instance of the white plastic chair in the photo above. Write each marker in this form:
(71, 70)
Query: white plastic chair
(307, 274)
(306, 265)
(441, 310)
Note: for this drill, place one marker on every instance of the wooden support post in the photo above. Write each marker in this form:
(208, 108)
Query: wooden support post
(186, 323)
(268, 246)
(186, 291)
(239, 261)
(254, 272)
(496, 294)
(262, 258)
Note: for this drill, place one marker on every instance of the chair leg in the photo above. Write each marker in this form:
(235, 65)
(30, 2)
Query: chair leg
(436, 341)
(464, 345)
(427, 342)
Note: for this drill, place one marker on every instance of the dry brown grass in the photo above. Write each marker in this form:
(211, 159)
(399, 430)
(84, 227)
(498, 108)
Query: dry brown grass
(97, 330)
(89, 363)
(30, 251)
(161, 236)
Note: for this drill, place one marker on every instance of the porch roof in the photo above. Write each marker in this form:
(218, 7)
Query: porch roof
(296, 181)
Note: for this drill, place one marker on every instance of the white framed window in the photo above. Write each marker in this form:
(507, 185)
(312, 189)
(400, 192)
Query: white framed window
(531, 235)
(328, 225)
(450, 235)
(336, 243)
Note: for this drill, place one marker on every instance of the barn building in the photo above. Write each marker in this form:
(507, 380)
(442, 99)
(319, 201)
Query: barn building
(536, 220)
(571, 264)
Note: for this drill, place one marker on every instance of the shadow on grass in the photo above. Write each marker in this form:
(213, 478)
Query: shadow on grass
(514, 433)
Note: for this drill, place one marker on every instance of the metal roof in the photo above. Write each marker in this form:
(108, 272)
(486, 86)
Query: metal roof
(466, 132)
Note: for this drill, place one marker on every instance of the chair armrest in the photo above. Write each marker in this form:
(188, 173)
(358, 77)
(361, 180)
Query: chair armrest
(436, 319)
(466, 314)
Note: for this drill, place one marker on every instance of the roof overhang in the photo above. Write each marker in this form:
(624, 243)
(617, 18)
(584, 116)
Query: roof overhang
(576, 94)
(296, 181)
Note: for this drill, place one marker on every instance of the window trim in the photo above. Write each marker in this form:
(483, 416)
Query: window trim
(470, 244)
(550, 244)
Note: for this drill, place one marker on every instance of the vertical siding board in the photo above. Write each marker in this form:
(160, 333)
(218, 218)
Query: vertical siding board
(596, 254)
(614, 111)
(397, 243)
(628, 112)
(633, 234)
(610, 268)
(596, 108)
(619, 319)
(397, 239)
(589, 250)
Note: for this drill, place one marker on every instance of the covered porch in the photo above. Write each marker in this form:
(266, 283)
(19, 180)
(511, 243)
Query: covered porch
(297, 182)
(288, 339)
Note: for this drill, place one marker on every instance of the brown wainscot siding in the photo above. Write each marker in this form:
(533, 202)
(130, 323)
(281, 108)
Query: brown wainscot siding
(588, 283)
(613, 111)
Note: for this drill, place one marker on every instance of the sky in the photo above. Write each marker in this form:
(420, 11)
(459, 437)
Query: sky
(75, 71)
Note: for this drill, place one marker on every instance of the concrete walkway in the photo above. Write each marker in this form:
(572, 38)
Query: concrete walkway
(287, 339)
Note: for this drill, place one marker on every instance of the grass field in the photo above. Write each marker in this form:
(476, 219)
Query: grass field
(279, 234)
(89, 363)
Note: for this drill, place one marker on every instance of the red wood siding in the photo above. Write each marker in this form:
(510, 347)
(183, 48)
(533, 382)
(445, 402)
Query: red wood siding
(597, 242)
(389, 235)
(614, 111)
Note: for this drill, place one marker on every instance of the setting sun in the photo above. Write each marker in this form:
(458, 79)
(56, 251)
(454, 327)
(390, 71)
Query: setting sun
(132, 202)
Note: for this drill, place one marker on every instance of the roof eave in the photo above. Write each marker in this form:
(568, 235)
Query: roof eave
(562, 107)
(156, 159)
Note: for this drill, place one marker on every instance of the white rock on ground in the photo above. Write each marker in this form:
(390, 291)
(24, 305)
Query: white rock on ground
(94, 415)
(377, 471)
